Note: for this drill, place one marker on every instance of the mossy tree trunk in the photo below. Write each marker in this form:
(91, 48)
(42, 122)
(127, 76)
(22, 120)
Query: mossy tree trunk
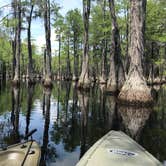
(84, 81)
(116, 75)
(135, 89)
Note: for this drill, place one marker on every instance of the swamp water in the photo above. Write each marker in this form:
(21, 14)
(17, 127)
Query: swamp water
(69, 122)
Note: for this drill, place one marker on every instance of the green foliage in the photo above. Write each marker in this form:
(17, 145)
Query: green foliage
(156, 20)
(5, 48)
(70, 27)
(99, 26)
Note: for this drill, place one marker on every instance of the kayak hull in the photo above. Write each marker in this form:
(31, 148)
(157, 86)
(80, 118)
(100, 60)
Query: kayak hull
(27, 153)
(117, 149)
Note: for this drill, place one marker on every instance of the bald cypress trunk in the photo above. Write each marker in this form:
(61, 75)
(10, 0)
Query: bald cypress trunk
(135, 89)
(68, 70)
(116, 75)
(17, 52)
(47, 26)
(84, 81)
(14, 6)
(103, 78)
(30, 62)
(76, 60)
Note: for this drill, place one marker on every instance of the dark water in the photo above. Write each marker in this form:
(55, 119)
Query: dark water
(69, 122)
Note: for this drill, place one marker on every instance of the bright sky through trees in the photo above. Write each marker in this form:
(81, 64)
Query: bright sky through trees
(38, 34)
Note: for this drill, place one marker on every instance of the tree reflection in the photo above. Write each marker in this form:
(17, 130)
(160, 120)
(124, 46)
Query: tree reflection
(66, 129)
(44, 148)
(134, 119)
(30, 91)
(154, 135)
(114, 122)
(83, 104)
(72, 139)
(154, 132)
(0, 85)
(15, 115)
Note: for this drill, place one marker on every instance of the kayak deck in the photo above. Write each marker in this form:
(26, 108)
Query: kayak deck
(15, 155)
(117, 149)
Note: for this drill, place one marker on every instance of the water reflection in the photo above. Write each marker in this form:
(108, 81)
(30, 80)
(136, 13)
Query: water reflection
(46, 111)
(15, 114)
(113, 118)
(134, 119)
(83, 104)
(68, 121)
(30, 91)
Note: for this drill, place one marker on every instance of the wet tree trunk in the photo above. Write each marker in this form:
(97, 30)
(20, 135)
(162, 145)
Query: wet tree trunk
(48, 76)
(116, 75)
(103, 79)
(84, 82)
(30, 62)
(16, 78)
(135, 89)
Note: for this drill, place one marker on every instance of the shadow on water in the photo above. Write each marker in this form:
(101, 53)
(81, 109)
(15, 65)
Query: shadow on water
(69, 121)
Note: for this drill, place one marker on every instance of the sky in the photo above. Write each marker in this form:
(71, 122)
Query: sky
(37, 31)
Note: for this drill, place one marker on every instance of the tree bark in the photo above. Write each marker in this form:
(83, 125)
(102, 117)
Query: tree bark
(127, 58)
(14, 6)
(68, 73)
(44, 63)
(59, 59)
(76, 61)
(103, 78)
(16, 79)
(30, 62)
(135, 89)
(116, 75)
(84, 81)
(48, 77)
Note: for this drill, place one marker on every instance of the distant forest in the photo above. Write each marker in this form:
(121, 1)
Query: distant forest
(120, 44)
